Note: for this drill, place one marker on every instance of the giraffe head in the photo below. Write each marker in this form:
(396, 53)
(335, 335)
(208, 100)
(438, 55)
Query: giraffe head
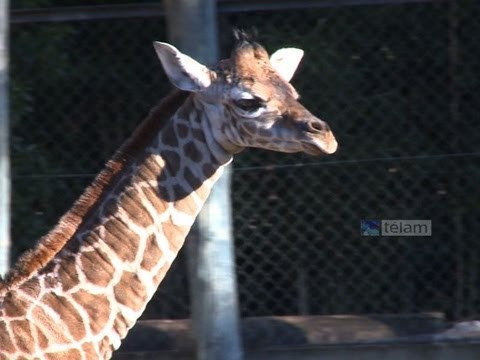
(249, 100)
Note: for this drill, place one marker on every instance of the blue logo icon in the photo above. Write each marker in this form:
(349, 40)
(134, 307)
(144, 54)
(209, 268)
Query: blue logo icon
(370, 227)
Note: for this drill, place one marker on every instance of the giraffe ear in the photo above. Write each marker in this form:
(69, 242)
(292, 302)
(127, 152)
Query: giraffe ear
(183, 71)
(285, 61)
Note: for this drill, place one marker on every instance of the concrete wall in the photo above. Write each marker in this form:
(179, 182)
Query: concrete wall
(382, 337)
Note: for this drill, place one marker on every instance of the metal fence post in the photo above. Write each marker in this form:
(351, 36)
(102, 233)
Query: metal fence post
(192, 26)
(4, 142)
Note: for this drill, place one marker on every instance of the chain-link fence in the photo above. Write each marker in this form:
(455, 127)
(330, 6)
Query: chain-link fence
(396, 82)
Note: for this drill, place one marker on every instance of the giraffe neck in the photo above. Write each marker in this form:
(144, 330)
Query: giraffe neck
(87, 297)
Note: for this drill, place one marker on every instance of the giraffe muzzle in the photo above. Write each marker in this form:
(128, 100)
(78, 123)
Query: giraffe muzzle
(322, 136)
(331, 143)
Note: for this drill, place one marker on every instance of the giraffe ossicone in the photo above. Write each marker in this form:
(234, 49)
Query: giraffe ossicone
(79, 291)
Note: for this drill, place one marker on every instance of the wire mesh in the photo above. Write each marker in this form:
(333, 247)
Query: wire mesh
(397, 83)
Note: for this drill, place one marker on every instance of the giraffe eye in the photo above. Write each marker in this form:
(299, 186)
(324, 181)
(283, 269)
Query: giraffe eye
(249, 105)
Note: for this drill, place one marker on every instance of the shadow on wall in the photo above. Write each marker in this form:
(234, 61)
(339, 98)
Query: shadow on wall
(289, 331)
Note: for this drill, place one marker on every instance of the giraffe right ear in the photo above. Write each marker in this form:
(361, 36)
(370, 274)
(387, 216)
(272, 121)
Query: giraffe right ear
(286, 61)
(183, 71)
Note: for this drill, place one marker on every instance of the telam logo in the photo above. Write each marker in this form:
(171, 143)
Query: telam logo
(406, 227)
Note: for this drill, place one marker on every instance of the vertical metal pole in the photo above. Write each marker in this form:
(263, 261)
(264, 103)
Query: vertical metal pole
(4, 141)
(215, 297)
(192, 27)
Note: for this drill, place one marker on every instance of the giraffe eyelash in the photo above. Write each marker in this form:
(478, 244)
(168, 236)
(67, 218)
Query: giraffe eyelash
(249, 105)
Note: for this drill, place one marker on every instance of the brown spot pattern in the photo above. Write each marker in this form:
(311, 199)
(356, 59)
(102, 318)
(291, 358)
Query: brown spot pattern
(172, 161)
(175, 235)
(183, 130)
(203, 192)
(151, 168)
(97, 308)
(67, 273)
(157, 279)
(15, 306)
(209, 170)
(130, 291)
(70, 317)
(110, 206)
(105, 347)
(39, 316)
(31, 287)
(120, 324)
(72, 354)
(121, 239)
(23, 337)
(97, 267)
(169, 137)
(131, 203)
(191, 151)
(187, 206)
(43, 342)
(152, 253)
(153, 198)
(192, 178)
(179, 192)
(198, 135)
(89, 350)
(5, 338)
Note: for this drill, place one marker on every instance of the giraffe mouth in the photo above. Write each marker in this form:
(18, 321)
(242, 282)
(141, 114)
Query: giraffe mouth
(322, 144)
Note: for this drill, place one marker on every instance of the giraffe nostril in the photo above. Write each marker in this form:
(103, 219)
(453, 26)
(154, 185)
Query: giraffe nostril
(316, 126)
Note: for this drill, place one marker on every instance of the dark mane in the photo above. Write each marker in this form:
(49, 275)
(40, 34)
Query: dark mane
(52, 243)
(243, 36)
(246, 39)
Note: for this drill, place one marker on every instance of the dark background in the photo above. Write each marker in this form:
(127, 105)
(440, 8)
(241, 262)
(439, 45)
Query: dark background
(399, 85)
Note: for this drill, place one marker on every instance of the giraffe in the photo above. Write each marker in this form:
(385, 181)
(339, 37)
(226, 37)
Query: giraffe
(84, 285)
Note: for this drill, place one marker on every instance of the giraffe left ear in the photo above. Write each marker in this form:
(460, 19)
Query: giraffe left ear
(285, 61)
(183, 71)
